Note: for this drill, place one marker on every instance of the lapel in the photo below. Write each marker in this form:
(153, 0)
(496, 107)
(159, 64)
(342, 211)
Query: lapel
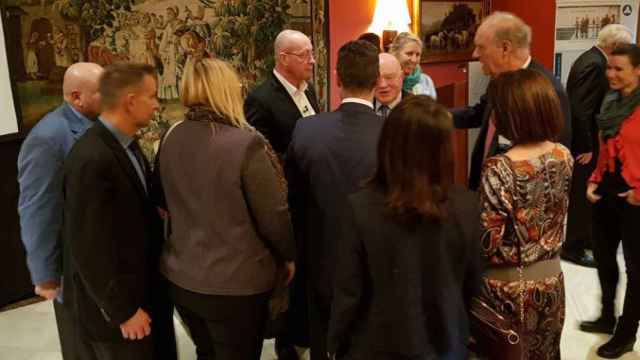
(122, 157)
(76, 124)
(282, 91)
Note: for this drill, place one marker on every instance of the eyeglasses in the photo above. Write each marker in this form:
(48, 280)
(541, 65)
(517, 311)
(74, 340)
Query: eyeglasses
(304, 56)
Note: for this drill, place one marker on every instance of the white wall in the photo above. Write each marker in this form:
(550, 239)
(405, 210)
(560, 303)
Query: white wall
(8, 117)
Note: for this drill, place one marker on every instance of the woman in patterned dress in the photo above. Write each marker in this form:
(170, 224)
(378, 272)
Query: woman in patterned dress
(524, 199)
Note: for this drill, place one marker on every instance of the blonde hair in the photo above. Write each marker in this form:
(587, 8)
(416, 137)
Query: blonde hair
(215, 84)
(401, 40)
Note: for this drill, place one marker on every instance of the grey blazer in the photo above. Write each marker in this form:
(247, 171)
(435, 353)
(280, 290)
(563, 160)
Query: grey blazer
(230, 220)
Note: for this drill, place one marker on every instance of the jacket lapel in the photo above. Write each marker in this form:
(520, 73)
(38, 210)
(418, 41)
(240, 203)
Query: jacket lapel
(121, 155)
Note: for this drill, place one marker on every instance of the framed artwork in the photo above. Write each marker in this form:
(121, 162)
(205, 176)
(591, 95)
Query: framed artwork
(10, 123)
(447, 28)
(47, 36)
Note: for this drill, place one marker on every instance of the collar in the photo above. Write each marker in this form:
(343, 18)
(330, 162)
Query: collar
(124, 139)
(527, 63)
(602, 51)
(292, 90)
(393, 104)
(358, 101)
(83, 119)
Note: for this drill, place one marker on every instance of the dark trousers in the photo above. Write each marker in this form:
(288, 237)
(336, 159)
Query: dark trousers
(580, 210)
(223, 327)
(72, 347)
(130, 350)
(162, 329)
(319, 315)
(615, 220)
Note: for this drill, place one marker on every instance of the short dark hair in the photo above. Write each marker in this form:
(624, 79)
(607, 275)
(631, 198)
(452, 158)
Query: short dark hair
(525, 107)
(373, 38)
(632, 51)
(357, 66)
(120, 76)
(416, 185)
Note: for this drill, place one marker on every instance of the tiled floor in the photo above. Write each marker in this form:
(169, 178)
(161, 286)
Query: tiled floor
(29, 333)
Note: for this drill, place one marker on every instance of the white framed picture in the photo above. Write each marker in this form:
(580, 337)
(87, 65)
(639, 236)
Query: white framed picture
(9, 125)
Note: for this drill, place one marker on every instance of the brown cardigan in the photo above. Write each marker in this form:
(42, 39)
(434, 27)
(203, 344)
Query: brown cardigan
(228, 204)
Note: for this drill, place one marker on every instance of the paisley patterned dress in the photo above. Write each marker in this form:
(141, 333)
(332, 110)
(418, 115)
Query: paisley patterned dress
(525, 202)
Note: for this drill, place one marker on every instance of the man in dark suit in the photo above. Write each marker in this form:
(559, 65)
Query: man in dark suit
(40, 202)
(111, 230)
(586, 86)
(502, 44)
(389, 91)
(330, 155)
(274, 108)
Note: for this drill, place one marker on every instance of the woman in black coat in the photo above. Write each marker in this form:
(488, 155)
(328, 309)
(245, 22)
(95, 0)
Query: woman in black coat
(411, 260)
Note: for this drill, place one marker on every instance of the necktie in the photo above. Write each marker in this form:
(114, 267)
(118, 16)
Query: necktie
(488, 141)
(383, 110)
(137, 152)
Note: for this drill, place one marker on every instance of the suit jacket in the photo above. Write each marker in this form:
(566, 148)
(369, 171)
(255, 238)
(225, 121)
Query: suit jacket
(271, 110)
(477, 116)
(40, 176)
(586, 86)
(330, 155)
(402, 289)
(111, 234)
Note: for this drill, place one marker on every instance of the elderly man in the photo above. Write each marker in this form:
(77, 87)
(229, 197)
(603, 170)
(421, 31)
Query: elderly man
(274, 108)
(586, 86)
(502, 44)
(389, 89)
(40, 202)
(285, 96)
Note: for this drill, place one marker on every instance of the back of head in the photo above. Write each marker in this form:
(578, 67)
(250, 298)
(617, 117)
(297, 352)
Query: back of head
(401, 40)
(373, 38)
(509, 27)
(614, 35)
(214, 84)
(416, 185)
(120, 77)
(526, 108)
(357, 66)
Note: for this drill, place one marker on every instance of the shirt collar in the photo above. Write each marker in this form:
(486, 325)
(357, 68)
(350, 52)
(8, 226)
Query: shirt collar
(527, 63)
(85, 120)
(358, 101)
(291, 89)
(393, 103)
(124, 139)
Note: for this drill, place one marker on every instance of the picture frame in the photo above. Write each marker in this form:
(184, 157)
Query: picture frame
(11, 123)
(447, 28)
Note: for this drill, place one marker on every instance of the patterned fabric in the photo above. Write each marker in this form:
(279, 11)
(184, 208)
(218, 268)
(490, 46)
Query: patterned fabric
(525, 202)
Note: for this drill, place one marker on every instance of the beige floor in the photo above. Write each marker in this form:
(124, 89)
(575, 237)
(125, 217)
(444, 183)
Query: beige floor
(29, 333)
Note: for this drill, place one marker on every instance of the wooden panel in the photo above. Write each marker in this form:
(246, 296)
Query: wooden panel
(451, 96)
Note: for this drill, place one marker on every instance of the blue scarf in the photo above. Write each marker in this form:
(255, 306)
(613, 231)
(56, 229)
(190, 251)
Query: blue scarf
(411, 80)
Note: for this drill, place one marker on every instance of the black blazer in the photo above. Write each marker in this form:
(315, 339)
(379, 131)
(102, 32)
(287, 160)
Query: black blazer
(111, 234)
(329, 157)
(400, 288)
(271, 110)
(586, 86)
(477, 116)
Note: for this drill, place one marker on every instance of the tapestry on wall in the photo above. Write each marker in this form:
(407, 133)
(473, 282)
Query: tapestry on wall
(46, 36)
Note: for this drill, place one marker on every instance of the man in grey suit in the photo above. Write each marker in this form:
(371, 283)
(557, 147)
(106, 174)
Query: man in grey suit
(40, 202)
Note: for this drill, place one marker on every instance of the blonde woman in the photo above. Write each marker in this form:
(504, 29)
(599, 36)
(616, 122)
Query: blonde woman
(408, 49)
(230, 225)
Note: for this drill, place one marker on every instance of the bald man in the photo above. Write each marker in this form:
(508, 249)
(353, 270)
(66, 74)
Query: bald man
(40, 202)
(389, 91)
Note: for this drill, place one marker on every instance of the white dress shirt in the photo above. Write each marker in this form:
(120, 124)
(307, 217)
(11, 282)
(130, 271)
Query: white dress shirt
(297, 95)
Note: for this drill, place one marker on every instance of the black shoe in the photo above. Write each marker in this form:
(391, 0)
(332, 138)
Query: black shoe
(580, 258)
(287, 353)
(601, 325)
(616, 347)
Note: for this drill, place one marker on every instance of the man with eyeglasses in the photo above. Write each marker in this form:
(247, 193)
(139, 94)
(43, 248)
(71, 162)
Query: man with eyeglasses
(273, 108)
(389, 91)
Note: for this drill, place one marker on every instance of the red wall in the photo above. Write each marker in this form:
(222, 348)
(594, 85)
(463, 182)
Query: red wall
(349, 18)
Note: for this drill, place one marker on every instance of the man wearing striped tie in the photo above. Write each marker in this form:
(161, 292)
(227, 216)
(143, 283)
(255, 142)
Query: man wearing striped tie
(388, 92)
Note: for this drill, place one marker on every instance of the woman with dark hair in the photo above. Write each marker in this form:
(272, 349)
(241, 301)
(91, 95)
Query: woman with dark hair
(410, 259)
(524, 198)
(613, 189)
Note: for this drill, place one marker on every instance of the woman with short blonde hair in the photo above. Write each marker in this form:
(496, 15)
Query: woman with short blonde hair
(223, 189)
(408, 49)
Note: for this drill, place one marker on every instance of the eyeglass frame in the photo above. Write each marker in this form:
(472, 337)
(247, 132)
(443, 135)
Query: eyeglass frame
(306, 56)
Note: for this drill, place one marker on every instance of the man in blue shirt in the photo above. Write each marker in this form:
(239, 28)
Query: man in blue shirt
(40, 203)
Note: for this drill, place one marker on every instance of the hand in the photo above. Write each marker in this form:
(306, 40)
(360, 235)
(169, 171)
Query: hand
(591, 195)
(137, 327)
(290, 269)
(48, 290)
(585, 158)
(631, 197)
